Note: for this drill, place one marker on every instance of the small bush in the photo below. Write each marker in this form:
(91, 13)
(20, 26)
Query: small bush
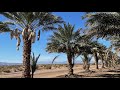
(48, 67)
(7, 71)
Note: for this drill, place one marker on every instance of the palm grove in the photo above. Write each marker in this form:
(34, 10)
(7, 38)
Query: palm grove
(65, 39)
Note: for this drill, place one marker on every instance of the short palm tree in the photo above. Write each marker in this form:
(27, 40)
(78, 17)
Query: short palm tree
(34, 61)
(27, 24)
(65, 40)
(111, 59)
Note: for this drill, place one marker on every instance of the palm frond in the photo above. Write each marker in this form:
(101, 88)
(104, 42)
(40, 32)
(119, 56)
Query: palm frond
(54, 58)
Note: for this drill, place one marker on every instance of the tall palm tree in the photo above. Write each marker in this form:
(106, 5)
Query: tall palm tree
(105, 25)
(29, 23)
(65, 40)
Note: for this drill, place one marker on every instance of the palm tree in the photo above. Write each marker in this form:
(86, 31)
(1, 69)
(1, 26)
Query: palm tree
(103, 24)
(65, 40)
(29, 23)
(101, 56)
(111, 58)
(85, 51)
(97, 48)
(86, 61)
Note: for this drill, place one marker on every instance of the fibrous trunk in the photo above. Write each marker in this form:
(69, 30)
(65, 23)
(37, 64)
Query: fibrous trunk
(26, 57)
(86, 64)
(70, 66)
(96, 60)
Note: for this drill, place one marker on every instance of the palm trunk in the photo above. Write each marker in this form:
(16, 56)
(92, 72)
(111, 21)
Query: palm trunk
(103, 63)
(87, 67)
(96, 60)
(86, 64)
(26, 57)
(70, 66)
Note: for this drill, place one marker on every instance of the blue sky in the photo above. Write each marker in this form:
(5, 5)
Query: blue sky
(8, 52)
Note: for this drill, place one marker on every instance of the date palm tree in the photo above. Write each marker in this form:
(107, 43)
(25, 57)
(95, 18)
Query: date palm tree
(86, 61)
(97, 49)
(28, 24)
(65, 40)
(103, 24)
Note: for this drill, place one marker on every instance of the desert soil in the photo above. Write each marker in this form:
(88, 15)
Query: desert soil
(60, 72)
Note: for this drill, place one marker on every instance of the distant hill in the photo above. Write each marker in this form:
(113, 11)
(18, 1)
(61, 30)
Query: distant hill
(40, 62)
(56, 62)
(8, 64)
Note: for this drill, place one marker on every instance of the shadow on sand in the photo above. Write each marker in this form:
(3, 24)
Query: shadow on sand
(109, 75)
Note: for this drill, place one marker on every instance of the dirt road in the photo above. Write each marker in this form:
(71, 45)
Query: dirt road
(54, 73)
(41, 73)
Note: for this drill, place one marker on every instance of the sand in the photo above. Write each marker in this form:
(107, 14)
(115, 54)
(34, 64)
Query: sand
(60, 72)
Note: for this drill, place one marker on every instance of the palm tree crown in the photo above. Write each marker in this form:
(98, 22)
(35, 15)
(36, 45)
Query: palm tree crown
(103, 24)
(29, 22)
(64, 39)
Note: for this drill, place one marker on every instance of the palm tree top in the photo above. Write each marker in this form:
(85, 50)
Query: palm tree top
(63, 39)
(29, 23)
(103, 24)
(34, 20)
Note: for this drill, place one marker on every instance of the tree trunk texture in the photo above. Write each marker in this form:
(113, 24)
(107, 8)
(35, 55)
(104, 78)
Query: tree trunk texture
(96, 60)
(86, 64)
(26, 57)
(70, 66)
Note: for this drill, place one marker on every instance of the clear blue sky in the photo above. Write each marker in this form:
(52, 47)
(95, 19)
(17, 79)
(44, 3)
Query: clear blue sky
(8, 52)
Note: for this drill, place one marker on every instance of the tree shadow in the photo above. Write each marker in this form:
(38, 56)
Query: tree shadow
(75, 76)
(109, 75)
(114, 71)
(88, 71)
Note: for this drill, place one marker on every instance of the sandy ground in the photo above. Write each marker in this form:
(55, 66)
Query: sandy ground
(59, 73)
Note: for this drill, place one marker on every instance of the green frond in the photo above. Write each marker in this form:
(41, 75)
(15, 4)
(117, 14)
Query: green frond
(104, 23)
